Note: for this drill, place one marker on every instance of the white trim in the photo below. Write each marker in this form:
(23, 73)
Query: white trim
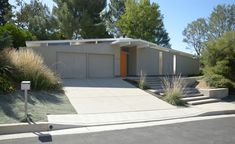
(113, 41)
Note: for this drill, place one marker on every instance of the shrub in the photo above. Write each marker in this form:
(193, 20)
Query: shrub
(11, 35)
(218, 58)
(173, 90)
(218, 81)
(29, 66)
(6, 85)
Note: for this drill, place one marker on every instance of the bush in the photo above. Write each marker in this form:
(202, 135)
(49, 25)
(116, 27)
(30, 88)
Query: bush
(30, 67)
(173, 90)
(6, 85)
(218, 58)
(218, 81)
(11, 35)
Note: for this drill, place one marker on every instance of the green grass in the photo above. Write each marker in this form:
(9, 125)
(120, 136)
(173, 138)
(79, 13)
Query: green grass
(39, 105)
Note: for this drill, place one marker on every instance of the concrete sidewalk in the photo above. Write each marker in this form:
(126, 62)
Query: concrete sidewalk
(114, 101)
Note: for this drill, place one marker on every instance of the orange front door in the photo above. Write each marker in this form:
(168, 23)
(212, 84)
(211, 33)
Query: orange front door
(123, 64)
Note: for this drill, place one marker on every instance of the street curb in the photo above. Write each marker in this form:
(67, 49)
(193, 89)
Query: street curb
(45, 126)
(32, 127)
(212, 113)
(23, 127)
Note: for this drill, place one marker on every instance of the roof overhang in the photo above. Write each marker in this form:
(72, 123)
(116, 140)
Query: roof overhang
(138, 43)
(119, 42)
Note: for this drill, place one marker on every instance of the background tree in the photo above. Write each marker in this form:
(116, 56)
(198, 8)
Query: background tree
(143, 20)
(5, 12)
(221, 20)
(82, 17)
(196, 34)
(36, 18)
(113, 12)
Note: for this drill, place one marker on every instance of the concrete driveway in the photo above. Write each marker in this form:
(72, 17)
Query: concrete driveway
(94, 96)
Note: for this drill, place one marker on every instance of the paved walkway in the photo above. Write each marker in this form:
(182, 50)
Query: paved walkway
(114, 101)
(94, 96)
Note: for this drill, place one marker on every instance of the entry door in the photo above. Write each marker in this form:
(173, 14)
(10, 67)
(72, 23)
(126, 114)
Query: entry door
(123, 65)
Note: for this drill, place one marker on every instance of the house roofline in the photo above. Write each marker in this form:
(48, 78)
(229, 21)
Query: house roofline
(113, 41)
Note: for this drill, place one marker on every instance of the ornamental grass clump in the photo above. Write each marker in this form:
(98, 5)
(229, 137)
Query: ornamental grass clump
(142, 84)
(173, 90)
(29, 66)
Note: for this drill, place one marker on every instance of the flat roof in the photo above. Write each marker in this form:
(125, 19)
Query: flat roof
(139, 43)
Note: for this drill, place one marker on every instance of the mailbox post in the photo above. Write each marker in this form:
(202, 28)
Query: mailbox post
(25, 86)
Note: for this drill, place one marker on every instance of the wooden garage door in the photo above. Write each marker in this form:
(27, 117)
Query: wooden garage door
(71, 65)
(100, 65)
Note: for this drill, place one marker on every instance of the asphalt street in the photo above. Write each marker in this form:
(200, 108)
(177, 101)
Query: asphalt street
(213, 131)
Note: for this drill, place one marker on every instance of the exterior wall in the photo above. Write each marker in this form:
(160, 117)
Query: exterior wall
(186, 65)
(147, 61)
(168, 63)
(131, 69)
(49, 53)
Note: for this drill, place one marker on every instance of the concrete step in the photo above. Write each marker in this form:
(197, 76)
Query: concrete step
(205, 101)
(192, 95)
(195, 98)
(156, 88)
(190, 92)
(153, 80)
(153, 83)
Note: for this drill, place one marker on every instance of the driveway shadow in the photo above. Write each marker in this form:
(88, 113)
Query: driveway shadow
(99, 83)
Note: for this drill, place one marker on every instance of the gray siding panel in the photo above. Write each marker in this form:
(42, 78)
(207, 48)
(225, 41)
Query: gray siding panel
(131, 69)
(186, 65)
(167, 63)
(148, 61)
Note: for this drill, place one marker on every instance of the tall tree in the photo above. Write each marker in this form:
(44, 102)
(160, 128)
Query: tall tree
(143, 20)
(221, 20)
(113, 12)
(82, 17)
(5, 11)
(36, 18)
(195, 34)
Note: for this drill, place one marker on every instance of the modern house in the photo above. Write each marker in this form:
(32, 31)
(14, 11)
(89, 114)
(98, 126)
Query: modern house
(103, 58)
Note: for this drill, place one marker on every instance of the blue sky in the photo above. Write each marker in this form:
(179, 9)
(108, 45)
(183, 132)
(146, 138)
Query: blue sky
(177, 14)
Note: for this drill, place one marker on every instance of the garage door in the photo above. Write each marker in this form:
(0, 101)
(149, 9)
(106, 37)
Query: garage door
(100, 65)
(77, 65)
(71, 65)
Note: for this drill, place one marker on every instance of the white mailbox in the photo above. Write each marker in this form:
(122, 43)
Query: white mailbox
(25, 85)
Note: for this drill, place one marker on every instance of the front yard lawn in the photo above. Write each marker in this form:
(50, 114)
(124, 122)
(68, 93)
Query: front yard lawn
(40, 103)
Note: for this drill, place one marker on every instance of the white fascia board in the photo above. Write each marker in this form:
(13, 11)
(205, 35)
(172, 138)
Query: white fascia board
(38, 43)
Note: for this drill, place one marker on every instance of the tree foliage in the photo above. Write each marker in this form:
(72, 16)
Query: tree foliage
(221, 20)
(12, 36)
(115, 9)
(143, 20)
(5, 12)
(218, 58)
(36, 18)
(80, 18)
